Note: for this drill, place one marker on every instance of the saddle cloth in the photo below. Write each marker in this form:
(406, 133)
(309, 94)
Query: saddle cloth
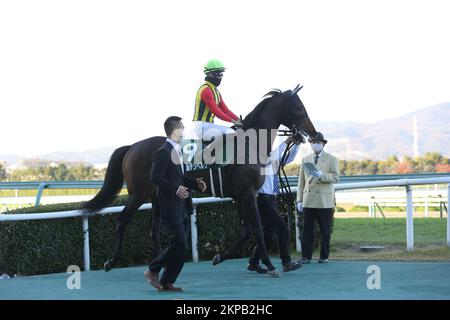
(194, 158)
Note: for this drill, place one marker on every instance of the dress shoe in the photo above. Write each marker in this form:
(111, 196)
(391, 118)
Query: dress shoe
(305, 261)
(291, 266)
(170, 287)
(257, 268)
(153, 279)
(273, 273)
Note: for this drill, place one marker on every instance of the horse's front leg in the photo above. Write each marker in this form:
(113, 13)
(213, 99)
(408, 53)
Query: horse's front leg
(255, 222)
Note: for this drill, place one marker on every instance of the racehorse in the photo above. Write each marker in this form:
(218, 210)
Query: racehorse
(133, 165)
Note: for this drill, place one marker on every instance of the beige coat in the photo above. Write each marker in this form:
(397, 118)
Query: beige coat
(318, 193)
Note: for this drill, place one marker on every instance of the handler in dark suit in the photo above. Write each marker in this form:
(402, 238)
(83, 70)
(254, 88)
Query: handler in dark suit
(173, 193)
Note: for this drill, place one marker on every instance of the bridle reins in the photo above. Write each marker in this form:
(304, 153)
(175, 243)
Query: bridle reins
(286, 196)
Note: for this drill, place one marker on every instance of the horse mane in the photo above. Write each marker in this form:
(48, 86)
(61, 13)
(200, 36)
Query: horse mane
(254, 114)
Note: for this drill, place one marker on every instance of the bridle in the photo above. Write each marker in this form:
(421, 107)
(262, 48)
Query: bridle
(286, 195)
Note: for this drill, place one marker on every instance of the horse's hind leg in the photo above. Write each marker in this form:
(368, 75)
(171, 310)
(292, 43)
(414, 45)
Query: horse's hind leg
(123, 219)
(220, 257)
(155, 232)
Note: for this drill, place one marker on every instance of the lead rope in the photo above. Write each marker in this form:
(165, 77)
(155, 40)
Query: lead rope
(286, 197)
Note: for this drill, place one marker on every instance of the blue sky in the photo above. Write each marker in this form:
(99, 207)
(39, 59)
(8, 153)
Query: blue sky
(77, 75)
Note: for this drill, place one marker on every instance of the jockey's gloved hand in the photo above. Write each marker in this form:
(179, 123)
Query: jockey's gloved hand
(237, 123)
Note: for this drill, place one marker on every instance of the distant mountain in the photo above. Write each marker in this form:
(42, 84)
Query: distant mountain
(347, 140)
(93, 156)
(11, 158)
(378, 140)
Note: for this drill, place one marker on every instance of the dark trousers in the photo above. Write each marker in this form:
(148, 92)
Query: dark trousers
(323, 216)
(172, 259)
(272, 221)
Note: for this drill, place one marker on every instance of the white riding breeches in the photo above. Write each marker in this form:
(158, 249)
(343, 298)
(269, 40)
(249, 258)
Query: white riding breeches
(208, 130)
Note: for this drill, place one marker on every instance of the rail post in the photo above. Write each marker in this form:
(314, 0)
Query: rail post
(372, 212)
(86, 251)
(194, 235)
(41, 188)
(409, 219)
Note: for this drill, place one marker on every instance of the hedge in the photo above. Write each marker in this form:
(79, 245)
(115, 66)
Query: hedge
(49, 246)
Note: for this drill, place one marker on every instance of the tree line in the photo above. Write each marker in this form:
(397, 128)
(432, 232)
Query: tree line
(432, 162)
(42, 171)
(38, 170)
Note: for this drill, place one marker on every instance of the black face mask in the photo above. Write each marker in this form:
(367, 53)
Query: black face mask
(215, 81)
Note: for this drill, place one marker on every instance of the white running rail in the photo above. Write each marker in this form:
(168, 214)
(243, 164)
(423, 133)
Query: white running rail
(407, 183)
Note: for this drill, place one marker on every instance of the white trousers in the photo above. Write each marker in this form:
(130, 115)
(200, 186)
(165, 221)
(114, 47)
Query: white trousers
(208, 130)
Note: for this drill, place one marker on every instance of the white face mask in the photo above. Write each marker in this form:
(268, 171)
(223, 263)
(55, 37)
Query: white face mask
(316, 147)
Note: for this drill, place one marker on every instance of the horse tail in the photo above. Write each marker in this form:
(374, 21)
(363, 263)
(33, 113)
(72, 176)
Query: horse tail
(112, 185)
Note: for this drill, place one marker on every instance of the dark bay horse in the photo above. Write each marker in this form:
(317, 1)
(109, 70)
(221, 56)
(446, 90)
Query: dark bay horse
(133, 164)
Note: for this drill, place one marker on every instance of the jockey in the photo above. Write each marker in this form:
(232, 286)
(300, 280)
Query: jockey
(209, 103)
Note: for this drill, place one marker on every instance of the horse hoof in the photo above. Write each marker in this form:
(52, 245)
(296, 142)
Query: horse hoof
(216, 259)
(107, 266)
(273, 273)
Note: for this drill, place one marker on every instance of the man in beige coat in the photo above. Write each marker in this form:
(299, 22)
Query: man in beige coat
(316, 199)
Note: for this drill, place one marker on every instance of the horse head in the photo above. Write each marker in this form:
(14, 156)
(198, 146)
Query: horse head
(281, 108)
(293, 114)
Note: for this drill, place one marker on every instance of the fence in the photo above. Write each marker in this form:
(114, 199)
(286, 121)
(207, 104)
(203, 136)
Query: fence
(429, 198)
(41, 186)
(407, 183)
(377, 203)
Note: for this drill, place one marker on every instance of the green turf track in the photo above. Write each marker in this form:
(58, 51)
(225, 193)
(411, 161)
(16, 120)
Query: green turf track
(230, 280)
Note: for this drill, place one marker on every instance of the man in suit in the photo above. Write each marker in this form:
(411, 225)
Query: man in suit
(316, 199)
(168, 174)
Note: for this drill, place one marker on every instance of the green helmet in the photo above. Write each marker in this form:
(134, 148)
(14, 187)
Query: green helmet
(213, 65)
